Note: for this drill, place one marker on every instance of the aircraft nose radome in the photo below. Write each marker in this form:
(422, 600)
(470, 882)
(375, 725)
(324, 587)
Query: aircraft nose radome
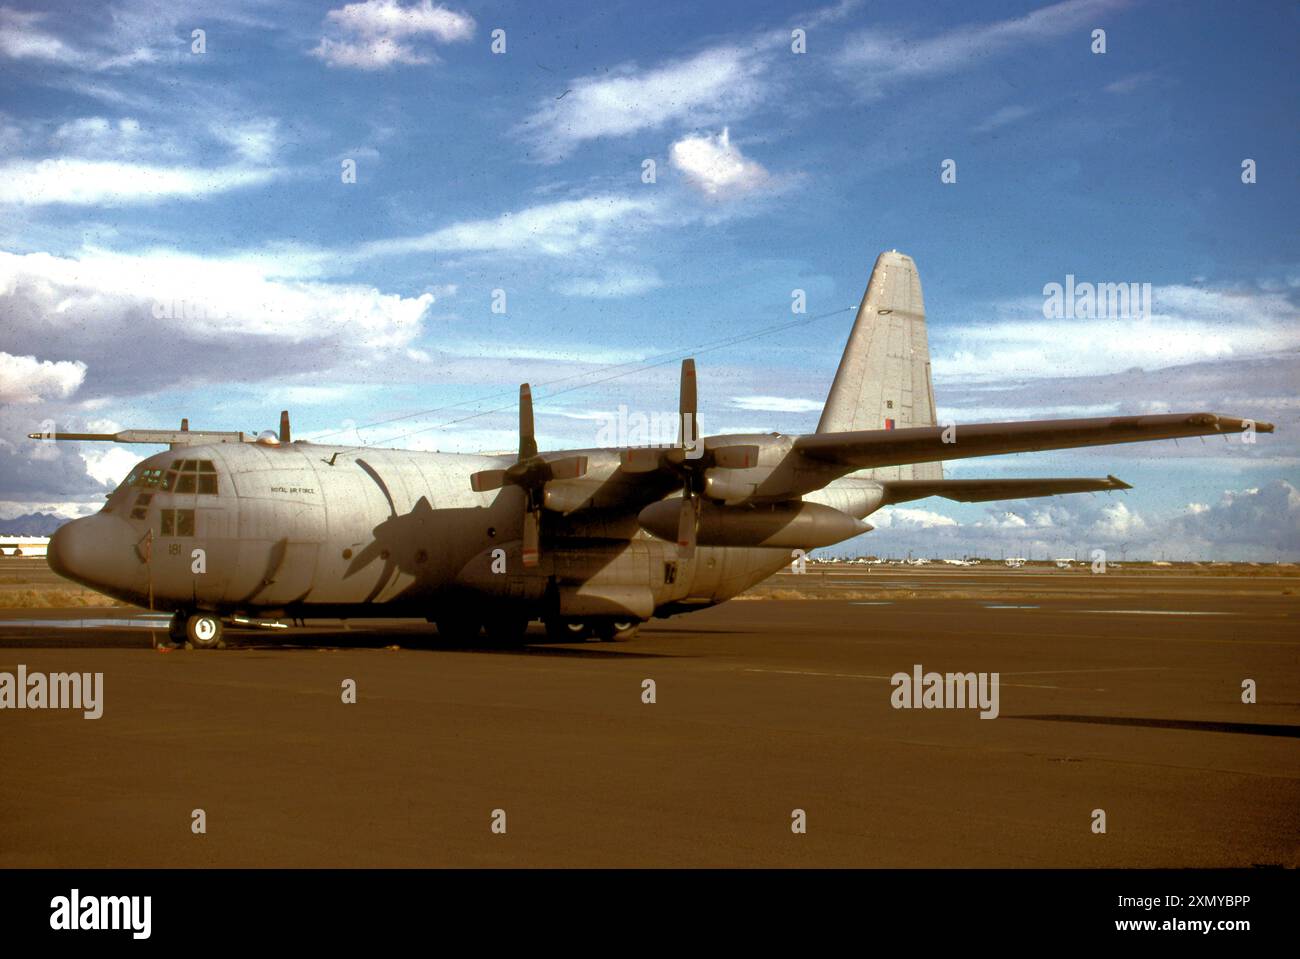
(54, 553)
(93, 549)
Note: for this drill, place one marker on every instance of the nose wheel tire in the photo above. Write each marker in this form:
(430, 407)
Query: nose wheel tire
(204, 631)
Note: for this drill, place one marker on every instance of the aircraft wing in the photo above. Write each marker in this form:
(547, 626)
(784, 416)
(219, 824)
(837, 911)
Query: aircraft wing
(983, 490)
(868, 449)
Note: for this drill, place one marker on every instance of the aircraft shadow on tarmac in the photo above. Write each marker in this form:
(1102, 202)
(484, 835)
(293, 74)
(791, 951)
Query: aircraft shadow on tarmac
(1250, 729)
(120, 638)
(534, 646)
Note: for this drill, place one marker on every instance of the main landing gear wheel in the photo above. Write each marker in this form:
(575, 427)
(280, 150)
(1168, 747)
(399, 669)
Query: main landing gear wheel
(457, 629)
(204, 631)
(615, 630)
(567, 630)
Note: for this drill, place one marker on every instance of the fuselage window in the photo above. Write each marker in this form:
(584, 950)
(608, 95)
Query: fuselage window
(177, 522)
(142, 502)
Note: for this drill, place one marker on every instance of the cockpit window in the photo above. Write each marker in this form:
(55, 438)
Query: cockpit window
(146, 479)
(188, 476)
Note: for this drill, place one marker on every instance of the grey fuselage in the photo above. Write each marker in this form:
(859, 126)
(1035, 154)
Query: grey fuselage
(312, 530)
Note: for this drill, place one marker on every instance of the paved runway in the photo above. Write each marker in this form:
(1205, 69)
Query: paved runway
(1127, 701)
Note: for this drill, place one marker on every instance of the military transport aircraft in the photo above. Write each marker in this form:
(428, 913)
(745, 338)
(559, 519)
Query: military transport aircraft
(592, 542)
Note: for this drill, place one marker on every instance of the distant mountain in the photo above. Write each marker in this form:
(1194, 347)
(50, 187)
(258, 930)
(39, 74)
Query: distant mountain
(32, 524)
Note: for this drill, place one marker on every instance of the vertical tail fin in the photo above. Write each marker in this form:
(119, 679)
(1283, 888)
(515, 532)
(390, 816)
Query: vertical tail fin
(884, 377)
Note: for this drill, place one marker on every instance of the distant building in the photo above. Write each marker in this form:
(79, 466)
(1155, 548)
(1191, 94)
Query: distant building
(24, 545)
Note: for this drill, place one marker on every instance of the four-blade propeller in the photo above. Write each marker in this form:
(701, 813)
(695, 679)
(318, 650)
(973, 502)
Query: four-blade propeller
(531, 472)
(690, 460)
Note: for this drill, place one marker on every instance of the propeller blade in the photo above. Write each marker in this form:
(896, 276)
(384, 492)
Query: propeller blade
(571, 467)
(686, 523)
(690, 429)
(527, 440)
(284, 427)
(485, 480)
(532, 536)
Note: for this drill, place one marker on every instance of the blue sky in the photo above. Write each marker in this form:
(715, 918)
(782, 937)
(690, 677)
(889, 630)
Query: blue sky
(142, 178)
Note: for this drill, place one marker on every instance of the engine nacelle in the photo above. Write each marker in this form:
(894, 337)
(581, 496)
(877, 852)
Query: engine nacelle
(791, 525)
(735, 485)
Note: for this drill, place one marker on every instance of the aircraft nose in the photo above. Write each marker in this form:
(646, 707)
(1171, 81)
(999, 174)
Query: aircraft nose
(92, 550)
(60, 549)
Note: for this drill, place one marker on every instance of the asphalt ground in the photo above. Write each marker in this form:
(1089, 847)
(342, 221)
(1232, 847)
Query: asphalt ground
(1121, 693)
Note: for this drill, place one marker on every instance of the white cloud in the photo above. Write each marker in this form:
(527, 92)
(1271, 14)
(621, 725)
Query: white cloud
(977, 412)
(1260, 523)
(615, 282)
(91, 182)
(377, 34)
(721, 83)
(1004, 116)
(874, 58)
(1265, 518)
(776, 404)
(1115, 521)
(161, 318)
(22, 38)
(255, 141)
(1130, 83)
(585, 353)
(232, 298)
(88, 136)
(715, 165)
(551, 229)
(898, 517)
(109, 466)
(1189, 325)
(25, 379)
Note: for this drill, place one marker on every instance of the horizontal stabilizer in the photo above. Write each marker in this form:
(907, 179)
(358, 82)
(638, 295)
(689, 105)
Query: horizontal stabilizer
(869, 449)
(984, 490)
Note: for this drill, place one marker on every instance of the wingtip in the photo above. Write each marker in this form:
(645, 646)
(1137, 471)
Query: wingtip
(1240, 425)
(1117, 483)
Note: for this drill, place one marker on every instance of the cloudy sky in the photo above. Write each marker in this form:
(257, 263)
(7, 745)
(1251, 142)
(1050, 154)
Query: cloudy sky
(178, 236)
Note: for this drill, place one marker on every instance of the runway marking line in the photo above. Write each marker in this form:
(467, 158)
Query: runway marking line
(1152, 612)
(809, 672)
